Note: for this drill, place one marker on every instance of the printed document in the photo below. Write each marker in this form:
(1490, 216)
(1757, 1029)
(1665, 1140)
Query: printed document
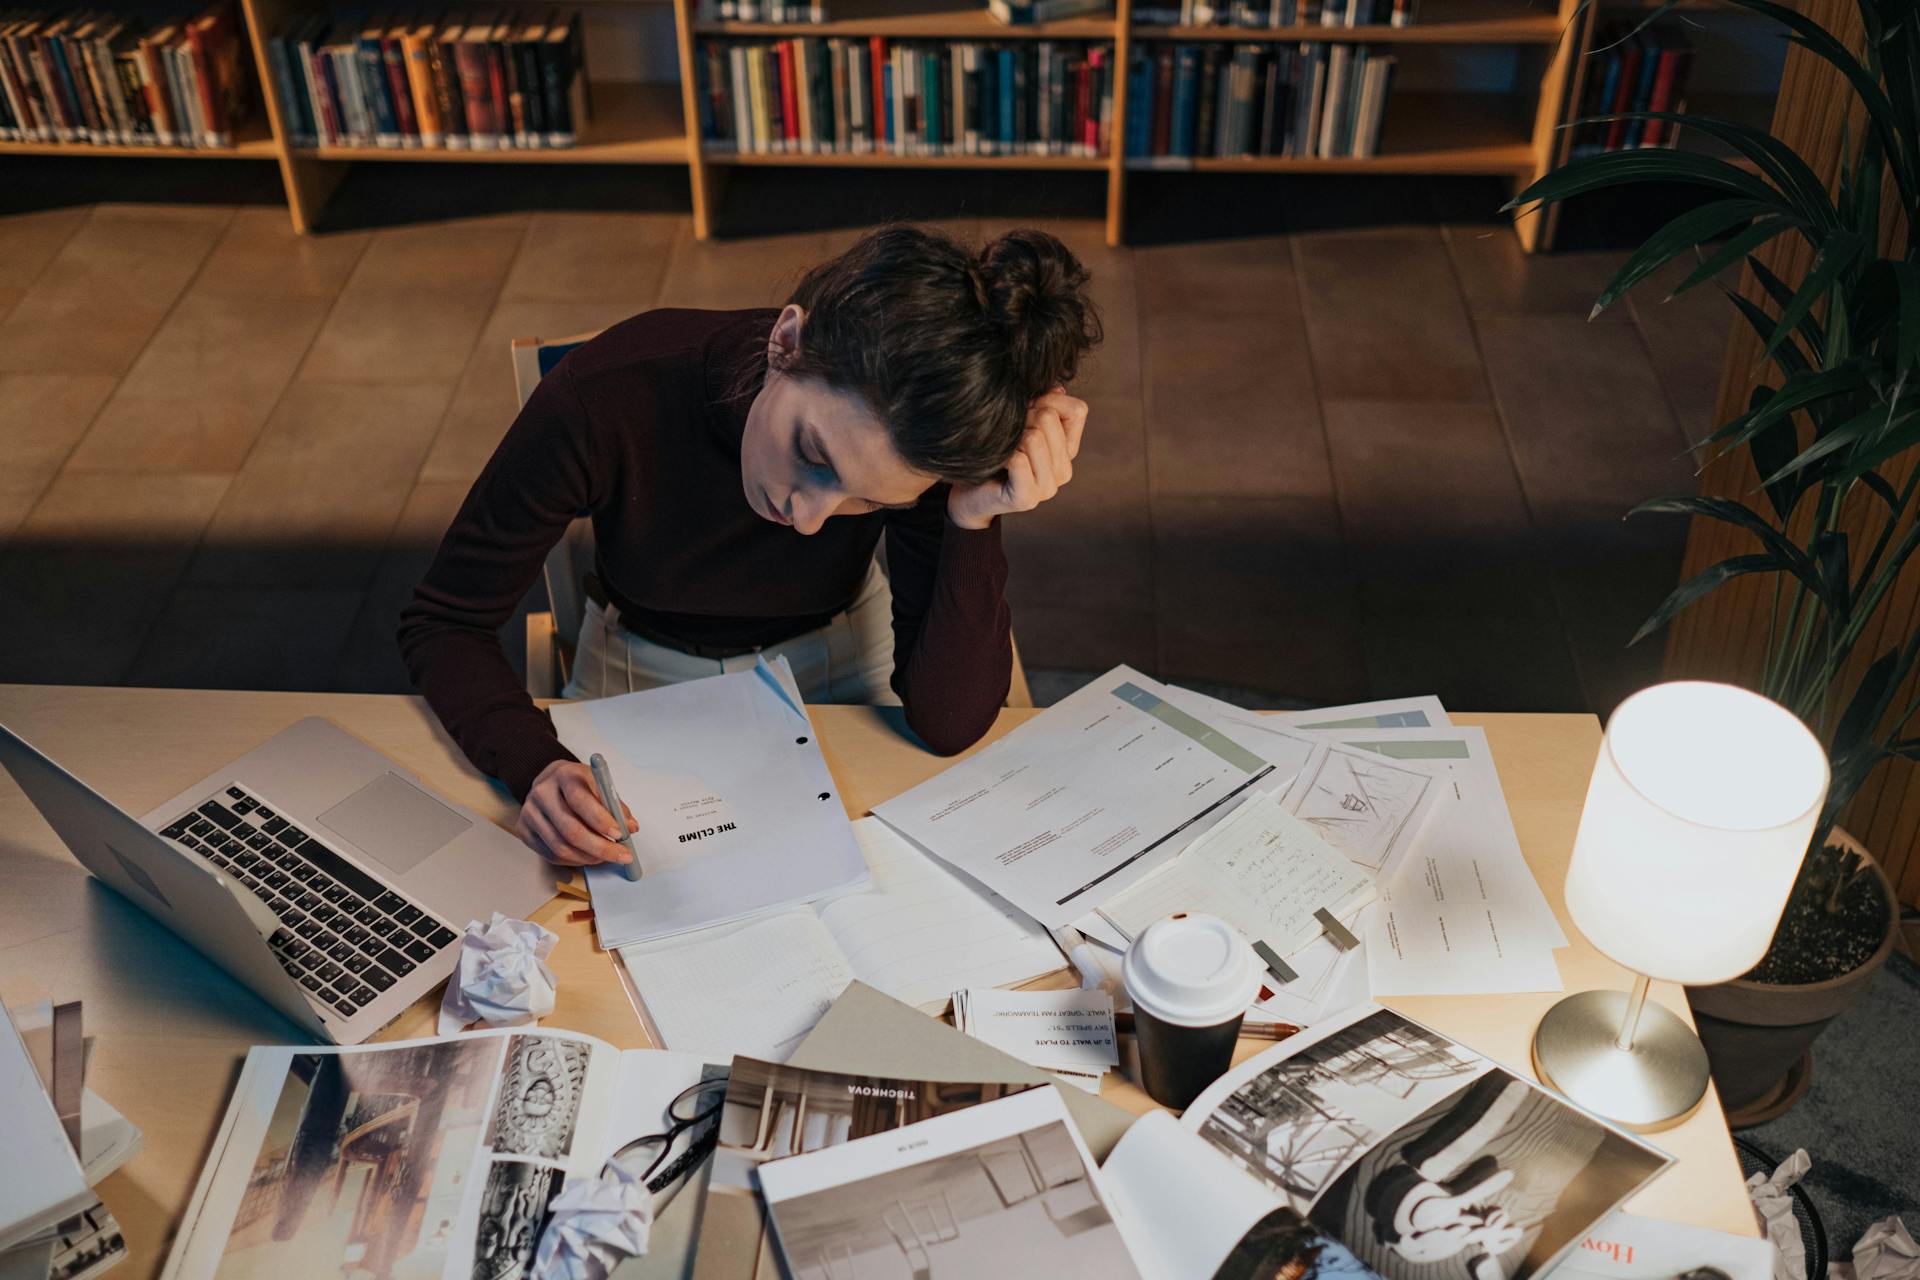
(1082, 800)
(1464, 915)
(738, 814)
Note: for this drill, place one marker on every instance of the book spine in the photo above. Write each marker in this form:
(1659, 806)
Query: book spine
(370, 69)
(326, 72)
(476, 98)
(282, 68)
(742, 98)
(399, 91)
(443, 56)
(494, 57)
(205, 59)
(417, 49)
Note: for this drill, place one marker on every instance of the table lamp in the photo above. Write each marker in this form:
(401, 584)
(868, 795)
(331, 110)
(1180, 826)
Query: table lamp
(1697, 818)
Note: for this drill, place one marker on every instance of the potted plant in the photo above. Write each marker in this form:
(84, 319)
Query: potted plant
(1836, 435)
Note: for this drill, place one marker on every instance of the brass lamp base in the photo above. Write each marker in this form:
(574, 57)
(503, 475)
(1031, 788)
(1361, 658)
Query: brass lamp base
(1654, 1085)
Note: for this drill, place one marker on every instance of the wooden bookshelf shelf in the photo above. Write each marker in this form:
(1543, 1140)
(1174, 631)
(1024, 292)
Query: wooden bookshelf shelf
(632, 124)
(964, 22)
(1437, 133)
(1510, 135)
(255, 142)
(1441, 22)
(879, 161)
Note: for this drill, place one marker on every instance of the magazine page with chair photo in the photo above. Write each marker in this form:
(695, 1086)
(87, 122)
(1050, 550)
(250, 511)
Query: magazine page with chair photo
(434, 1159)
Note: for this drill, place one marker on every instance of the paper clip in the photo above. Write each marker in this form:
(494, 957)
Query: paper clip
(1281, 969)
(1341, 935)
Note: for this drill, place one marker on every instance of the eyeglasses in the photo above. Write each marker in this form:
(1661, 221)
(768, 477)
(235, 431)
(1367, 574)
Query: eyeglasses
(695, 1106)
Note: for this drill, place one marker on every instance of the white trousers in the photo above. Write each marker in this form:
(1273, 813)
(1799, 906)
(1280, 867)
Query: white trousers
(848, 660)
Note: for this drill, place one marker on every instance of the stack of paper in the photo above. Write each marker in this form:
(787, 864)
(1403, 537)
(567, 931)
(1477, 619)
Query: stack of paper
(1067, 1033)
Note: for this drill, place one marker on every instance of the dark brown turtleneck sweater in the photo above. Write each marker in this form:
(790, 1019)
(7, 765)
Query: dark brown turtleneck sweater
(636, 430)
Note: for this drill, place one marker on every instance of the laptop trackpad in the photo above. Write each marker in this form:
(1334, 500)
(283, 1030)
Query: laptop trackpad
(395, 821)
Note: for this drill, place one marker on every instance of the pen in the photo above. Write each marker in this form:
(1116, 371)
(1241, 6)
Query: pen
(609, 797)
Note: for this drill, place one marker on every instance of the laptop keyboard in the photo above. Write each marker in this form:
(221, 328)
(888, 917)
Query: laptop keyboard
(344, 936)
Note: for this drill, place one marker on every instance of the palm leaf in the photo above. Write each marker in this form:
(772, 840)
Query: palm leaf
(1834, 257)
(1790, 175)
(1699, 585)
(1782, 295)
(1735, 248)
(1646, 164)
(1811, 36)
(1779, 547)
(1684, 232)
(1772, 451)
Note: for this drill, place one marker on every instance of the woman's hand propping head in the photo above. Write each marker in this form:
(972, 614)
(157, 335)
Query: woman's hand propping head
(1037, 470)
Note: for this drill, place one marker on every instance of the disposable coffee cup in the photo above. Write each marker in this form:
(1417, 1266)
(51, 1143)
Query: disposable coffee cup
(1191, 978)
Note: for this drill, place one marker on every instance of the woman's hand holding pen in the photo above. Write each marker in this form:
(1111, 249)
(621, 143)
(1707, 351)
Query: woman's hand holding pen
(564, 822)
(1037, 469)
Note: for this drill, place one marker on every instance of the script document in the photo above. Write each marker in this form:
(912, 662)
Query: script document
(1082, 800)
(738, 814)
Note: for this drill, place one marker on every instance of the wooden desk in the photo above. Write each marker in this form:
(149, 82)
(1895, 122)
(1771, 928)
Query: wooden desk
(173, 1030)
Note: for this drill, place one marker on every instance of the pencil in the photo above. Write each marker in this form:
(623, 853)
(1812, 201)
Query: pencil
(1248, 1030)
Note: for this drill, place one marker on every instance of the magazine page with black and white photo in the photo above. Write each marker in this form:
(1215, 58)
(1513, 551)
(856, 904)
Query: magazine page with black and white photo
(1422, 1158)
(432, 1159)
(1006, 1188)
(775, 1112)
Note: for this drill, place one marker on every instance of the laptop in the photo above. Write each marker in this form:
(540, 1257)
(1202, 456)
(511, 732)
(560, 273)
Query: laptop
(313, 869)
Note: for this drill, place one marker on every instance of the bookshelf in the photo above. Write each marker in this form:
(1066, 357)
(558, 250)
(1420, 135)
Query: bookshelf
(1440, 131)
(1749, 105)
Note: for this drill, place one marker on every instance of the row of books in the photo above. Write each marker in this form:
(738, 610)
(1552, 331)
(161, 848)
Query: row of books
(1278, 13)
(860, 96)
(1187, 102)
(111, 80)
(762, 11)
(479, 82)
(1647, 72)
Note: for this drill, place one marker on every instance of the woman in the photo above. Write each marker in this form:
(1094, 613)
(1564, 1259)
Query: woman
(741, 468)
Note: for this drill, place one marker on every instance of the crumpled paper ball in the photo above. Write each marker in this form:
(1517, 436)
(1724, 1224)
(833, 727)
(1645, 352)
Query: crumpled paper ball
(1775, 1207)
(597, 1223)
(1886, 1252)
(502, 978)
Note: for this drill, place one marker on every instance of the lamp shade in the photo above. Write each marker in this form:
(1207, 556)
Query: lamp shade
(1697, 818)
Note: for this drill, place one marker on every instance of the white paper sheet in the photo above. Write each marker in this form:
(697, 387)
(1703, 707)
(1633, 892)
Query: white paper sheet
(1057, 1030)
(738, 814)
(1080, 801)
(1625, 1246)
(917, 932)
(1464, 915)
(754, 989)
(1261, 870)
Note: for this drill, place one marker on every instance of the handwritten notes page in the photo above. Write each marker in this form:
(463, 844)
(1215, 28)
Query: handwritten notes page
(1262, 870)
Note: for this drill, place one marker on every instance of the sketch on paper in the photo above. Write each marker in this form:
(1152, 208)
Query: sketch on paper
(1362, 805)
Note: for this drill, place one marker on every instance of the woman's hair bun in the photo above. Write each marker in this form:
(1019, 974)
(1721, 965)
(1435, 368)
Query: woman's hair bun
(1036, 290)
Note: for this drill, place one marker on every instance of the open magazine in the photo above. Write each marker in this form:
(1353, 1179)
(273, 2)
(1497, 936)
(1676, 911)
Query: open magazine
(1371, 1144)
(436, 1158)
(774, 1112)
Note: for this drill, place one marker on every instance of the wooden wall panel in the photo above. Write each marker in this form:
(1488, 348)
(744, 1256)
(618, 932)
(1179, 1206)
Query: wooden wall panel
(1725, 636)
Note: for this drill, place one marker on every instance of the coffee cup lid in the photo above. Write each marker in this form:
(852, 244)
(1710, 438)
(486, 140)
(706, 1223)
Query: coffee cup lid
(1192, 970)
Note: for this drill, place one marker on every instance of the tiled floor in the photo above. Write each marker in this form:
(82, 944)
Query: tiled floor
(1323, 462)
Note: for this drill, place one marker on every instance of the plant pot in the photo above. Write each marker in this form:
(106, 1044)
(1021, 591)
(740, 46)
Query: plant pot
(1759, 1034)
